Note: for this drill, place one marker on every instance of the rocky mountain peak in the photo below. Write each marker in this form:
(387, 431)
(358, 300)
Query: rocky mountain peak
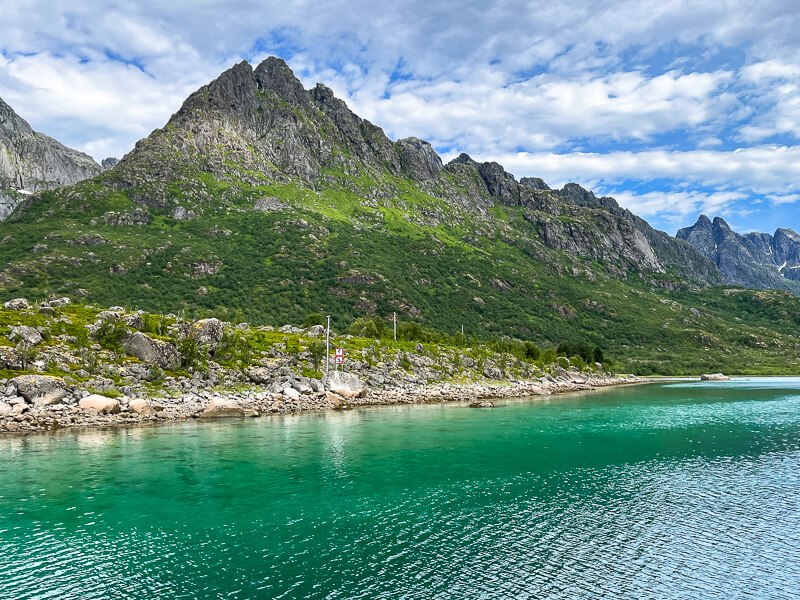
(576, 194)
(463, 159)
(273, 74)
(418, 159)
(703, 222)
(11, 122)
(31, 161)
(721, 224)
(757, 260)
(534, 183)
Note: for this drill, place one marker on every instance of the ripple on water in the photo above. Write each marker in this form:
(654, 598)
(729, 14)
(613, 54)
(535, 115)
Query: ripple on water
(341, 509)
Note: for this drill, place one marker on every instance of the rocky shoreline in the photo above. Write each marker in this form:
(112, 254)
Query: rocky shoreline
(44, 405)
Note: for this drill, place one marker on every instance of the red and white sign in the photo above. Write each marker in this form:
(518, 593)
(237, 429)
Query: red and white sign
(339, 356)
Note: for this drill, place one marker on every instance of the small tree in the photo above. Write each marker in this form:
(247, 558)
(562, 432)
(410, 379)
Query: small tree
(314, 319)
(26, 353)
(317, 351)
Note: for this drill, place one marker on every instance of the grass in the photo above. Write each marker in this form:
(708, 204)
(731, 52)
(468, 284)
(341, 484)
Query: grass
(337, 250)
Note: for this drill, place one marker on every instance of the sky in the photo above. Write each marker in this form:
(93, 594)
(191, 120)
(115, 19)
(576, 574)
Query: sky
(673, 107)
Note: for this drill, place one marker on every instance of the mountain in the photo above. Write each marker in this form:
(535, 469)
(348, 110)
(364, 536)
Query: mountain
(754, 260)
(265, 201)
(31, 161)
(260, 126)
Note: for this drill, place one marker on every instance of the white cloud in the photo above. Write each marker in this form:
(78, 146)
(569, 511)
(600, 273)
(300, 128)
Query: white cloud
(764, 170)
(676, 206)
(622, 78)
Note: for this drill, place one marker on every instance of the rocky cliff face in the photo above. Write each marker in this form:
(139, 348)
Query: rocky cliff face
(578, 222)
(31, 161)
(260, 124)
(754, 260)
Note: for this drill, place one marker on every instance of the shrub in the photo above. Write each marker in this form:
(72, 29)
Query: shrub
(314, 319)
(193, 355)
(110, 334)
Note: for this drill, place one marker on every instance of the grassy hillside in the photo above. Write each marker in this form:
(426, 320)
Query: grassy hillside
(347, 249)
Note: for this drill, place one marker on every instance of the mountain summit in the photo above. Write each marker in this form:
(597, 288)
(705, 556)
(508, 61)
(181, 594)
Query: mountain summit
(31, 161)
(755, 260)
(256, 126)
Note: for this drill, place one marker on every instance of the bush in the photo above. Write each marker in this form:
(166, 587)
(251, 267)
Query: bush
(587, 352)
(233, 347)
(110, 334)
(314, 319)
(368, 328)
(193, 355)
(533, 351)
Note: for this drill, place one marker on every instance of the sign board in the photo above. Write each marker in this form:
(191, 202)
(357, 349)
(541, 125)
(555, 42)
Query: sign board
(339, 356)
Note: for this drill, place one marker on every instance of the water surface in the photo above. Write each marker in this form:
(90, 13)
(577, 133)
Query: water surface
(674, 490)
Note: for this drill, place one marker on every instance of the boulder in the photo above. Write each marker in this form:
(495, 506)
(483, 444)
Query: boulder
(316, 331)
(221, 408)
(5, 409)
(714, 377)
(482, 404)
(41, 390)
(17, 304)
(208, 331)
(259, 374)
(25, 334)
(302, 385)
(291, 394)
(335, 400)
(109, 315)
(153, 352)
(102, 405)
(133, 320)
(9, 359)
(142, 407)
(58, 302)
(347, 385)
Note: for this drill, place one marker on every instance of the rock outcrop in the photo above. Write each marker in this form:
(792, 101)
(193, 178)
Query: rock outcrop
(152, 351)
(714, 377)
(31, 162)
(40, 390)
(346, 385)
(754, 260)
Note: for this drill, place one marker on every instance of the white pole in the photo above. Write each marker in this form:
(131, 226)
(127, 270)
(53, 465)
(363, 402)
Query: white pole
(328, 345)
(394, 320)
(462, 330)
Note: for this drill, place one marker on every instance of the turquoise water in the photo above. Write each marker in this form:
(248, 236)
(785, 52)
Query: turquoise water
(660, 491)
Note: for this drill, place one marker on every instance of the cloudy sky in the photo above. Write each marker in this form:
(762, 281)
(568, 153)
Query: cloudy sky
(674, 107)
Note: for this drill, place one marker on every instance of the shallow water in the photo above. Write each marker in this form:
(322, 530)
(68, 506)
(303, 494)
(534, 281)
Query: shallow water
(674, 490)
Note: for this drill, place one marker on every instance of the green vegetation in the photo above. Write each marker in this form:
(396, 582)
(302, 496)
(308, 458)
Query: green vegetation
(331, 252)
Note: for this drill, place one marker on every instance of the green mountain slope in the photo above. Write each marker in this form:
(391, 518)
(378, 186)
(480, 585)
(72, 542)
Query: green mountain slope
(267, 201)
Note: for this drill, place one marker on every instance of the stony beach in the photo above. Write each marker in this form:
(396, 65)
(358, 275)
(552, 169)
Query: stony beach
(41, 403)
(64, 365)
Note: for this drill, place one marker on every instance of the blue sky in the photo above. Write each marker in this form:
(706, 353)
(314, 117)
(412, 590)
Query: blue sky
(674, 107)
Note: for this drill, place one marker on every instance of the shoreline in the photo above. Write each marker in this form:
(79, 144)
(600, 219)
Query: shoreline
(234, 405)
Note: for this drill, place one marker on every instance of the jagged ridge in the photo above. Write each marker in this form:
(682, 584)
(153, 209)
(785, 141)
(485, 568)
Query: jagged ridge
(754, 260)
(261, 124)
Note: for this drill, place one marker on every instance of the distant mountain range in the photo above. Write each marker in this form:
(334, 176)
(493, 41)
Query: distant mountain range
(754, 260)
(267, 200)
